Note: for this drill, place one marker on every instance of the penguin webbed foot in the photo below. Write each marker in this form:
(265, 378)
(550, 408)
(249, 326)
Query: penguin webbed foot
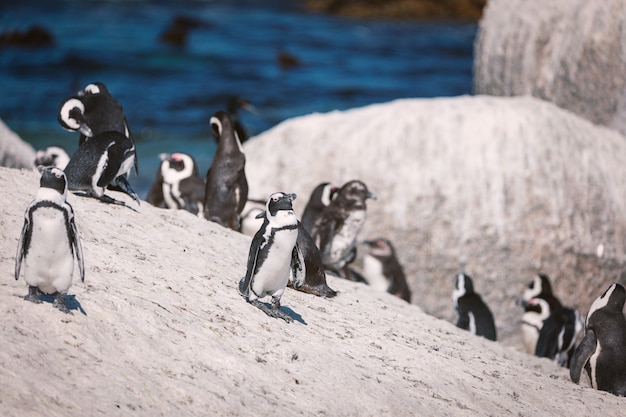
(274, 311)
(59, 302)
(110, 200)
(33, 295)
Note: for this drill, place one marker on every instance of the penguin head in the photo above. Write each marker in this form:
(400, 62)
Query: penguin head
(178, 162)
(94, 88)
(355, 193)
(380, 248)
(540, 285)
(322, 195)
(464, 284)
(53, 178)
(52, 156)
(71, 116)
(612, 299)
(220, 122)
(278, 206)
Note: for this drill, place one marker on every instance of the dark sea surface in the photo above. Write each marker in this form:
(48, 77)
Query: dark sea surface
(170, 92)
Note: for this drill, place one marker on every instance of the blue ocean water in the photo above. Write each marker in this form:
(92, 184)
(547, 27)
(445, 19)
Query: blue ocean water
(170, 92)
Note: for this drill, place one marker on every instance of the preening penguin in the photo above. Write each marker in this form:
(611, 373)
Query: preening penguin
(339, 225)
(602, 352)
(473, 313)
(100, 162)
(382, 270)
(226, 189)
(178, 185)
(49, 241)
(273, 256)
(535, 313)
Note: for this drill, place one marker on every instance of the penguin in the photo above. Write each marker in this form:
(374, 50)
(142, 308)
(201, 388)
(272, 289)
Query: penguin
(233, 107)
(339, 225)
(178, 185)
(226, 189)
(252, 216)
(273, 255)
(558, 335)
(473, 313)
(99, 162)
(92, 111)
(602, 352)
(382, 270)
(49, 241)
(314, 272)
(535, 313)
(320, 198)
(55, 156)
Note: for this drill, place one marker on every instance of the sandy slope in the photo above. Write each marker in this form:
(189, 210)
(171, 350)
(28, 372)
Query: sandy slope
(159, 329)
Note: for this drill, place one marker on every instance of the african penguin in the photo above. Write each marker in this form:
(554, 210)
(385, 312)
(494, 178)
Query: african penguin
(178, 185)
(319, 199)
(226, 189)
(234, 105)
(535, 313)
(93, 111)
(99, 162)
(273, 256)
(473, 313)
(558, 335)
(340, 223)
(52, 156)
(602, 352)
(382, 270)
(49, 241)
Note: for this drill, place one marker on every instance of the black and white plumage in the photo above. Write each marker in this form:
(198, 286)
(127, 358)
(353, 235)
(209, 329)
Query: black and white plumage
(602, 352)
(558, 335)
(93, 111)
(320, 198)
(49, 241)
(473, 313)
(234, 105)
(340, 223)
(178, 185)
(100, 162)
(273, 256)
(314, 272)
(535, 313)
(382, 270)
(52, 156)
(226, 189)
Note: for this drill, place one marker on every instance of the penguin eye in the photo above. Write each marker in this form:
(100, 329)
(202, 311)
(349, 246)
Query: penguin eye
(276, 198)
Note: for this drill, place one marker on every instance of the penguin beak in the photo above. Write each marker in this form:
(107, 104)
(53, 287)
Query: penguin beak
(291, 196)
(261, 215)
(85, 130)
(370, 195)
(164, 156)
(520, 302)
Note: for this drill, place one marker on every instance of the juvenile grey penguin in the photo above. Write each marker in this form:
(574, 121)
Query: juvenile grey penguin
(535, 313)
(340, 223)
(273, 256)
(473, 313)
(602, 352)
(99, 162)
(178, 185)
(226, 189)
(52, 156)
(382, 270)
(49, 241)
(320, 198)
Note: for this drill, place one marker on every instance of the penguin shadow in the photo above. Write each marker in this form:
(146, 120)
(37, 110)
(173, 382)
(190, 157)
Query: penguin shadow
(289, 312)
(106, 200)
(70, 301)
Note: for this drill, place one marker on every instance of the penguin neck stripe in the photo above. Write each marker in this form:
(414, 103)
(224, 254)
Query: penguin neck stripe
(288, 227)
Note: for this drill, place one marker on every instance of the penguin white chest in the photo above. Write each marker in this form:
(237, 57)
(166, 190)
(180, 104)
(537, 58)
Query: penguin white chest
(373, 273)
(273, 274)
(531, 326)
(49, 262)
(345, 238)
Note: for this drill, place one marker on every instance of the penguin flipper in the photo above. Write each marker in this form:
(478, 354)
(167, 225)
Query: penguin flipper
(21, 248)
(582, 354)
(463, 321)
(547, 343)
(298, 267)
(253, 257)
(78, 248)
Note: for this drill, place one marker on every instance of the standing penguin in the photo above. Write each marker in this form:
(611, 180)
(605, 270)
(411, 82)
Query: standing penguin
(382, 270)
(473, 313)
(178, 185)
(49, 241)
(321, 197)
(339, 225)
(226, 189)
(535, 313)
(602, 352)
(273, 255)
(99, 162)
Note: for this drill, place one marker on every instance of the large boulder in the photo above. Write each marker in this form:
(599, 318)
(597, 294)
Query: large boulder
(14, 152)
(570, 52)
(499, 187)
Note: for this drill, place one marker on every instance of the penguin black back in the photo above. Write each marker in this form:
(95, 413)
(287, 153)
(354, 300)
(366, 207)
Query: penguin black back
(473, 313)
(226, 189)
(320, 198)
(381, 264)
